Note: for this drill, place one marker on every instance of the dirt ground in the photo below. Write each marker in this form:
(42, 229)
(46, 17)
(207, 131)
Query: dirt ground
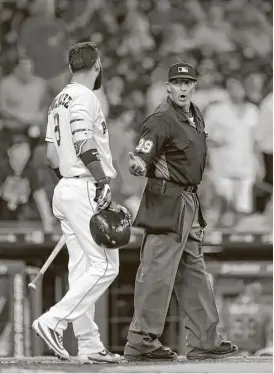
(53, 365)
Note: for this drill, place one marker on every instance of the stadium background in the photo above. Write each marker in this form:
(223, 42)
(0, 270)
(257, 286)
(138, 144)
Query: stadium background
(138, 41)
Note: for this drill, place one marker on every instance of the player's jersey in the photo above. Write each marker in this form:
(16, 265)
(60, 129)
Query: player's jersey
(76, 115)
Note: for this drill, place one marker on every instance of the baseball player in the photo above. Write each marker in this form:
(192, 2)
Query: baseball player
(78, 151)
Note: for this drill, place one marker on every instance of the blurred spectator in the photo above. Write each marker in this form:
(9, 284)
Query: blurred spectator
(23, 105)
(19, 183)
(126, 189)
(213, 31)
(114, 89)
(247, 320)
(23, 98)
(254, 84)
(176, 39)
(43, 38)
(208, 90)
(264, 137)
(156, 93)
(250, 27)
(76, 14)
(231, 128)
(137, 38)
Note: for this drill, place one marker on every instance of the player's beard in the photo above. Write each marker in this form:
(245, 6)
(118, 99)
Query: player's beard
(98, 80)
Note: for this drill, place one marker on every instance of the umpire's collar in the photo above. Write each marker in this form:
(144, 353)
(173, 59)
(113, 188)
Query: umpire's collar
(182, 114)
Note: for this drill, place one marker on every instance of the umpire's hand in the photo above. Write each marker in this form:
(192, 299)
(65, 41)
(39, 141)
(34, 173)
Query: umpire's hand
(137, 166)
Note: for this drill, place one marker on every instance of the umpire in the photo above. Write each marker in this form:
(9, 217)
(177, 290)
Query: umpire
(171, 153)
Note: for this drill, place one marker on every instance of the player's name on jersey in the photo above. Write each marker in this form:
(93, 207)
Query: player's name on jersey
(63, 99)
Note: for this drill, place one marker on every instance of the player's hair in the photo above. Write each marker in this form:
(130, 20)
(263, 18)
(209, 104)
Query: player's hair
(82, 56)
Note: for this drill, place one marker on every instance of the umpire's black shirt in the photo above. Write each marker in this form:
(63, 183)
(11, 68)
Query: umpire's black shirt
(173, 147)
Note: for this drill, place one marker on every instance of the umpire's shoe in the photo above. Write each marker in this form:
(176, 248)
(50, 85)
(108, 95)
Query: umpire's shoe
(160, 354)
(103, 357)
(53, 339)
(225, 349)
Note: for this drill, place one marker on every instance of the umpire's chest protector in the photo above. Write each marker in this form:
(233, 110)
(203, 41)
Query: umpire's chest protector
(162, 206)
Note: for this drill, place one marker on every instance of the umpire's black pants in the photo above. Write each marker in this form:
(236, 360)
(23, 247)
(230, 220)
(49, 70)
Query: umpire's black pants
(167, 263)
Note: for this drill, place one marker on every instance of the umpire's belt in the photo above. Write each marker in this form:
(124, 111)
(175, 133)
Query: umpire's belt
(169, 188)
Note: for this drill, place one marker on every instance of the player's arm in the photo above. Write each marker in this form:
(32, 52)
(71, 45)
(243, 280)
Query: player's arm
(152, 140)
(83, 118)
(91, 159)
(52, 156)
(53, 159)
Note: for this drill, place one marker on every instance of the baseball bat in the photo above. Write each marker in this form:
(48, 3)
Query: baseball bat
(46, 265)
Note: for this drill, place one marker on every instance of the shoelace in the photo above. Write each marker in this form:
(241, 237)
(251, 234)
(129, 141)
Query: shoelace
(60, 339)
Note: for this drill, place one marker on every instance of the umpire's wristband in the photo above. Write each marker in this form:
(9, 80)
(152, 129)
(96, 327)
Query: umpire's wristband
(57, 173)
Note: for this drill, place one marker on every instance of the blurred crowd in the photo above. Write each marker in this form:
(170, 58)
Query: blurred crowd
(247, 319)
(228, 41)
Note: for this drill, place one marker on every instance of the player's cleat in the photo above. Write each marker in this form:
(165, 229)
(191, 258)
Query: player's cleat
(225, 349)
(162, 353)
(103, 357)
(53, 340)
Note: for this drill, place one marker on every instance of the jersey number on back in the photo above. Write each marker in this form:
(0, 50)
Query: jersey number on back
(57, 128)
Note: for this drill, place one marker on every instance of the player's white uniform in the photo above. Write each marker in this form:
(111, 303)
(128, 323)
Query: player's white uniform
(76, 115)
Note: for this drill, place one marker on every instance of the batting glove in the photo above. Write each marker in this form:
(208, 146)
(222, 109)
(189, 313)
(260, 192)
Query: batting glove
(103, 194)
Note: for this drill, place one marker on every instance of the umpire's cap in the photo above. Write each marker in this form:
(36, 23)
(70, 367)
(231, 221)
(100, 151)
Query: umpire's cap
(111, 227)
(182, 70)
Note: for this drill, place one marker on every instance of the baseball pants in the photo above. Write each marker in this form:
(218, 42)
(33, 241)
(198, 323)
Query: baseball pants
(237, 192)
(166, 264)
(91, 268)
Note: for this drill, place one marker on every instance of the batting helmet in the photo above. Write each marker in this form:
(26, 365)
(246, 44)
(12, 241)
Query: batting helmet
(110, 227)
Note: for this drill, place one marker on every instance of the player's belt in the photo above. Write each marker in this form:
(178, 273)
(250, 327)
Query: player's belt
(169, 188)
(82, 176)
(85, 177)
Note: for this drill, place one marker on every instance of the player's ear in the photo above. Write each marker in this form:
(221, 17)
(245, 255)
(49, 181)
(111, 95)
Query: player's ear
(168, 87)
(97, 64)
(70, 69)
